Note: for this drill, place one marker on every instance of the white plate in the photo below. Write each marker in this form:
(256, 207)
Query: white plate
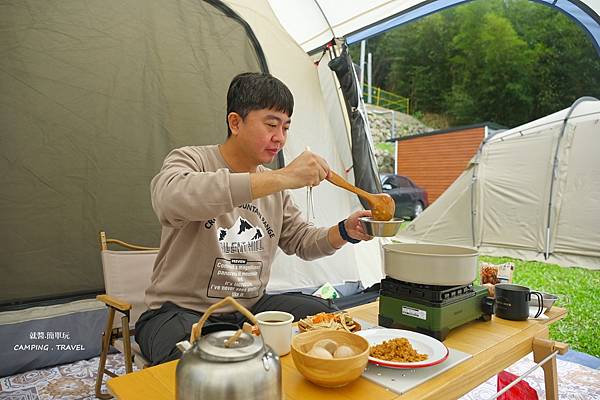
(436, 351)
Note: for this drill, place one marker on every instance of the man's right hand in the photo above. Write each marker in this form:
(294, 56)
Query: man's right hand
(308, 169)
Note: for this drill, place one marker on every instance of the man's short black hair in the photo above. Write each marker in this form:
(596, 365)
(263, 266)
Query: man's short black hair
(251, 91)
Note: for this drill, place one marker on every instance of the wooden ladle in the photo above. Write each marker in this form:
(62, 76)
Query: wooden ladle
(382, 205)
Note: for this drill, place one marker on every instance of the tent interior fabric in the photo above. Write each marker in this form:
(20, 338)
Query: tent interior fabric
(314, 23)
(532, 192)
(93, 98)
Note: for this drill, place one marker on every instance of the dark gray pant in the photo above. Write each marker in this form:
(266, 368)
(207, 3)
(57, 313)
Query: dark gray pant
(157, 331)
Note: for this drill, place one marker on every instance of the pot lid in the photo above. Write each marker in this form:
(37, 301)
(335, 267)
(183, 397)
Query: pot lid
(212, 347)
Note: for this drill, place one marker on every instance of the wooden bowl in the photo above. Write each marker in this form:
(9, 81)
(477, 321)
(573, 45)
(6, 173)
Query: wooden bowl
(333, 372)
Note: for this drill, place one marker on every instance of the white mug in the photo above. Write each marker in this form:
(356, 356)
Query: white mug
(276, 330)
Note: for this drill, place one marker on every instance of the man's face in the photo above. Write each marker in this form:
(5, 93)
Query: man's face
(262, 134)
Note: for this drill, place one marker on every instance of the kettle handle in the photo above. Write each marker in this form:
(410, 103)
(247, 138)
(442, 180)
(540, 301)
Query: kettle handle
(197, 327)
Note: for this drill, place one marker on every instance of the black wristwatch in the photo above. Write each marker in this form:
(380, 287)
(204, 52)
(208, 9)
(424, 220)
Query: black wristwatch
(344, 233)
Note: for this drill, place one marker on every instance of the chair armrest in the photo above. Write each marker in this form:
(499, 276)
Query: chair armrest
(114, 302)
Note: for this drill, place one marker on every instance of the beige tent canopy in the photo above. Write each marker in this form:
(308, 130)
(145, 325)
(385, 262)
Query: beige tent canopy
(532, 192)
(313, 23)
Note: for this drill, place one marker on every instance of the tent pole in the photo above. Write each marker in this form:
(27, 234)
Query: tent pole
(473, 211)
(369, 88)
(474, 188)
(555, 169)
(363, 48)
(326, 20)
(546, 251)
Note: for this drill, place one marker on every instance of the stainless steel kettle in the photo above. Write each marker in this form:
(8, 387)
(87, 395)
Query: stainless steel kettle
(227, 364)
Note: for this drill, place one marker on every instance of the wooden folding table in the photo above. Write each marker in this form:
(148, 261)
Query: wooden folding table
(495, 345)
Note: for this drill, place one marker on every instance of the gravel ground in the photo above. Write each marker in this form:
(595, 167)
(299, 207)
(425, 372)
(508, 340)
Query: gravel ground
(385, 125)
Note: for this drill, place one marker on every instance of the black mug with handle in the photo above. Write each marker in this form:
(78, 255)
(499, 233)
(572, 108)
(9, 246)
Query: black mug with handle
(512, 302)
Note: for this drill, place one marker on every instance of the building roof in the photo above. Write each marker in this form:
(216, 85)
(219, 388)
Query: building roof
(491, 125)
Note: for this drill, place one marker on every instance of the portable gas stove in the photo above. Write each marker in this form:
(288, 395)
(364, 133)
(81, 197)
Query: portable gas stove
(428, 309)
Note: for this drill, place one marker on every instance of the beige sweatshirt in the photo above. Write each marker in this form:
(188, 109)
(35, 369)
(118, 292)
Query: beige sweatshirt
(215, 240)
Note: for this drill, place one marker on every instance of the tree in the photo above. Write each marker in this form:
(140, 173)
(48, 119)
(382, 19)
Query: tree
(490, 69)
(508, 61)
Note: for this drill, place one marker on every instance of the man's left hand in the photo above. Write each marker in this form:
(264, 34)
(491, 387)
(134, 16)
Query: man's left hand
(353, 227)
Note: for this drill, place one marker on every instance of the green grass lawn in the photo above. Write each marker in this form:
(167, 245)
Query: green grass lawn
(579, 292)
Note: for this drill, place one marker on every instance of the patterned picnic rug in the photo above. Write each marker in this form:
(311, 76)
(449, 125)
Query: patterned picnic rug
(73, 381)
(575, 382)
(76, 381)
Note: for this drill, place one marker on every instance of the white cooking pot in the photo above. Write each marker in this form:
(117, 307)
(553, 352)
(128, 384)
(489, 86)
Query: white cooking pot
(431, 264)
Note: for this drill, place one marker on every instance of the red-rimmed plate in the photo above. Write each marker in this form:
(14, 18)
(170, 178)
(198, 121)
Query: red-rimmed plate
(436, 351)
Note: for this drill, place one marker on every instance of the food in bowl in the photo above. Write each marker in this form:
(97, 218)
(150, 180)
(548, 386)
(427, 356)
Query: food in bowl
(335, 371)
(397, 350)
(337, 321)
(328, 348)
(489, 274)
(373, 227)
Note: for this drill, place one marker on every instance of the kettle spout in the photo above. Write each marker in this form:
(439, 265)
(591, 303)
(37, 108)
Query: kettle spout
(184, 346)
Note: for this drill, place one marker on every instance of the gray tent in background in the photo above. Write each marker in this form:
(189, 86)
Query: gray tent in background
(532, 192)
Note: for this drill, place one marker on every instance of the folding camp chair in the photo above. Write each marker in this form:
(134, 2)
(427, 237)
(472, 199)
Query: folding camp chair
(127, 274)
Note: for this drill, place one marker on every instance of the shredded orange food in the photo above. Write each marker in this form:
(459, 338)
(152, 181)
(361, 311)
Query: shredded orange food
(322, 317)
(338, 321)
(398, 350)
